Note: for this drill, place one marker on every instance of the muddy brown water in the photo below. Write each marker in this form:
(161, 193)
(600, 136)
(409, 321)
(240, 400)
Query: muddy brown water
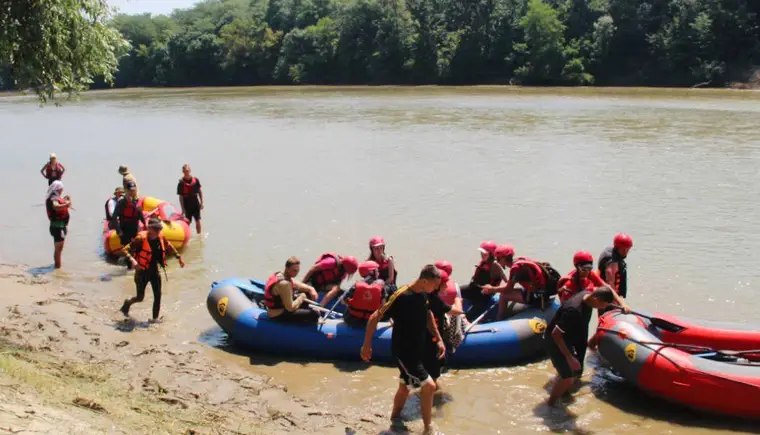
(435, 171)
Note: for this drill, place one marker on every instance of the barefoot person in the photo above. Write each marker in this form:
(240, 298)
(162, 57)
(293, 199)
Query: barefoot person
(190, 197)
(279, 295)
(150, 249)
(52, 170)
(57, 206)
(412, 319)
(567, 335)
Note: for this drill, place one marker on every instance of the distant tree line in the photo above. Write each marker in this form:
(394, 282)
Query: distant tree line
(460, 42)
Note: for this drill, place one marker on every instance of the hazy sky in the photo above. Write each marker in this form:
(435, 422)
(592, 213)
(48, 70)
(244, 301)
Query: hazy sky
(152, 6)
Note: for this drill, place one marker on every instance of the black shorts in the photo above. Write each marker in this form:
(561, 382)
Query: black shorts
(560, 362)
(412, 370)
(193, 211)
(432, 364)
(58, 233)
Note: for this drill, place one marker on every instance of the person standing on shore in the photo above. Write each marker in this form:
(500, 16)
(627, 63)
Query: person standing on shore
(190, 197)
(57, 206)
(150, 248)
(412, 320)
(52, 170)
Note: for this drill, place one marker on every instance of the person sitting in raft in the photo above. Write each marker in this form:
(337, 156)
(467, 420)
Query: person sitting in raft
(538, 281)
(110, 205)
(57, 206)
(486, 273)
(377, 254)
(328, 272)
(583, 277)
(440, 309)
(279, 300)
(52, 170)
(612, 266)
(366, 296)
(127, 178)
(566, 336)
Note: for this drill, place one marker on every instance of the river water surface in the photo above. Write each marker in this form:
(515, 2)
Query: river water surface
(300, 171)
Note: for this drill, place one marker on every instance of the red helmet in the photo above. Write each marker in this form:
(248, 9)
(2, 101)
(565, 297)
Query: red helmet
(367, 267)
(376, 241)
(582, 257)
(444, 276)
(623, 240)
(488, 246)
(504, 251)
(444, 266)
(350, 264)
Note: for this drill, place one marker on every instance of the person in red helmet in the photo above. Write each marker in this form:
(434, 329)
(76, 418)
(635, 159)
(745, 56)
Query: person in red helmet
(612, 267)
(366, 296)
(377, 254)
(538, 280)
(452, 294)
(440, 309)
(328, 272)
(583, 277)
(487, 272)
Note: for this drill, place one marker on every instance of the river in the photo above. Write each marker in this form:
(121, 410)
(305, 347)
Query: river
(299, 171)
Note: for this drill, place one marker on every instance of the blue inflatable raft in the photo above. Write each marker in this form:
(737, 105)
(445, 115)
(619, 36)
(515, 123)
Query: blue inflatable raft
(234, 305)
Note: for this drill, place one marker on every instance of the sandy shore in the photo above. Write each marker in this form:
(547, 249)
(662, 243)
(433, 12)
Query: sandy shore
(70, 364)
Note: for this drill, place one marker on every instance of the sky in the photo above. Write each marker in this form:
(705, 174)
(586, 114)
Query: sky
(152, 6)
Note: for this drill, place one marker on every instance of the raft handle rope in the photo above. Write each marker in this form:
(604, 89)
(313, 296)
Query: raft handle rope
(662, 345)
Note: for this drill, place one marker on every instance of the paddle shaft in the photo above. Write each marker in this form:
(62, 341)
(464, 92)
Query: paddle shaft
(656, 321)
(340, 299)
(480, 317)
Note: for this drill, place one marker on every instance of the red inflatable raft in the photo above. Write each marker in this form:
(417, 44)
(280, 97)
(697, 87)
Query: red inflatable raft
(693, 375)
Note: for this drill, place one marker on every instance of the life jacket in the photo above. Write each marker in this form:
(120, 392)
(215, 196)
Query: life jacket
(271, 301)
(385, 270)
(56, 214)
(53, 172)
(333, 275)
(449, 294)
(367, 299)
(620, 284)
(542, 274)
(131, 211)
(482, 275)
(145, 254)
(188, 187)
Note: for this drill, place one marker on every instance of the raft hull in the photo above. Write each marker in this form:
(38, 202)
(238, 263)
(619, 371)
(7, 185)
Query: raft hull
(675, 375)
(491, 344)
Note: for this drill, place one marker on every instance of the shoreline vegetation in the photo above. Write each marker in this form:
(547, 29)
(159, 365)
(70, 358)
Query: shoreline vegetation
(668, 43)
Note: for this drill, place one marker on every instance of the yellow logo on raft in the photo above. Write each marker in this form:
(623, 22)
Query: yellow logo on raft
(630, 352)
(538, 326)
(221, 306)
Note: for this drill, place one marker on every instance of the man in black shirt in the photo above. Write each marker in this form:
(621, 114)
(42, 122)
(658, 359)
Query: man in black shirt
(567, 336)
(412, 320)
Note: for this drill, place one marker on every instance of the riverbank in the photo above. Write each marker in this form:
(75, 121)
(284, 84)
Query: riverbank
(70, 364)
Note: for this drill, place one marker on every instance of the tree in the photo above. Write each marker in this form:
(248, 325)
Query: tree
(58, 45)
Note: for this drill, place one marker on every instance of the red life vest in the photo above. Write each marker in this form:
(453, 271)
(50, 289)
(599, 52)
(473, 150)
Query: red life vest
(56, 214)
(188, 187)
(271, 301)
(53, 172)
(130, 211)
(449, 294)
(145, 254)
(482, 275)
(384, 270)
(333, 275)
(367, 299)
(537, 278)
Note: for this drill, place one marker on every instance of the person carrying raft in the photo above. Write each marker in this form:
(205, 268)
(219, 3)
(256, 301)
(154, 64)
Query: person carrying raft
(127, 216)
(57, 206)
(377, 254)
(537, 279)
(366, 296)
(53, 170)
(583, 277)
(279, 291)
(150, 248)
(328, 272)
(612, 266)
(487, 272)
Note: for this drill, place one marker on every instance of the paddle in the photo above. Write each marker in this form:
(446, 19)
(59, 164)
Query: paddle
(480, 317)
(656, 321)
(334, 305)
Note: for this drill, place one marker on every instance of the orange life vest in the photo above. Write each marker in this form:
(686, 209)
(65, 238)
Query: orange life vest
(333, 275)
(367, 299)
(145, 254)
(449, 294)
(271, 301)
(188, 187)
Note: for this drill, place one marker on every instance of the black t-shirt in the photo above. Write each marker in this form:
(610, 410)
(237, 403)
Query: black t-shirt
(192, 198)
(409, 311)
(439, 308)
(573, 317)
